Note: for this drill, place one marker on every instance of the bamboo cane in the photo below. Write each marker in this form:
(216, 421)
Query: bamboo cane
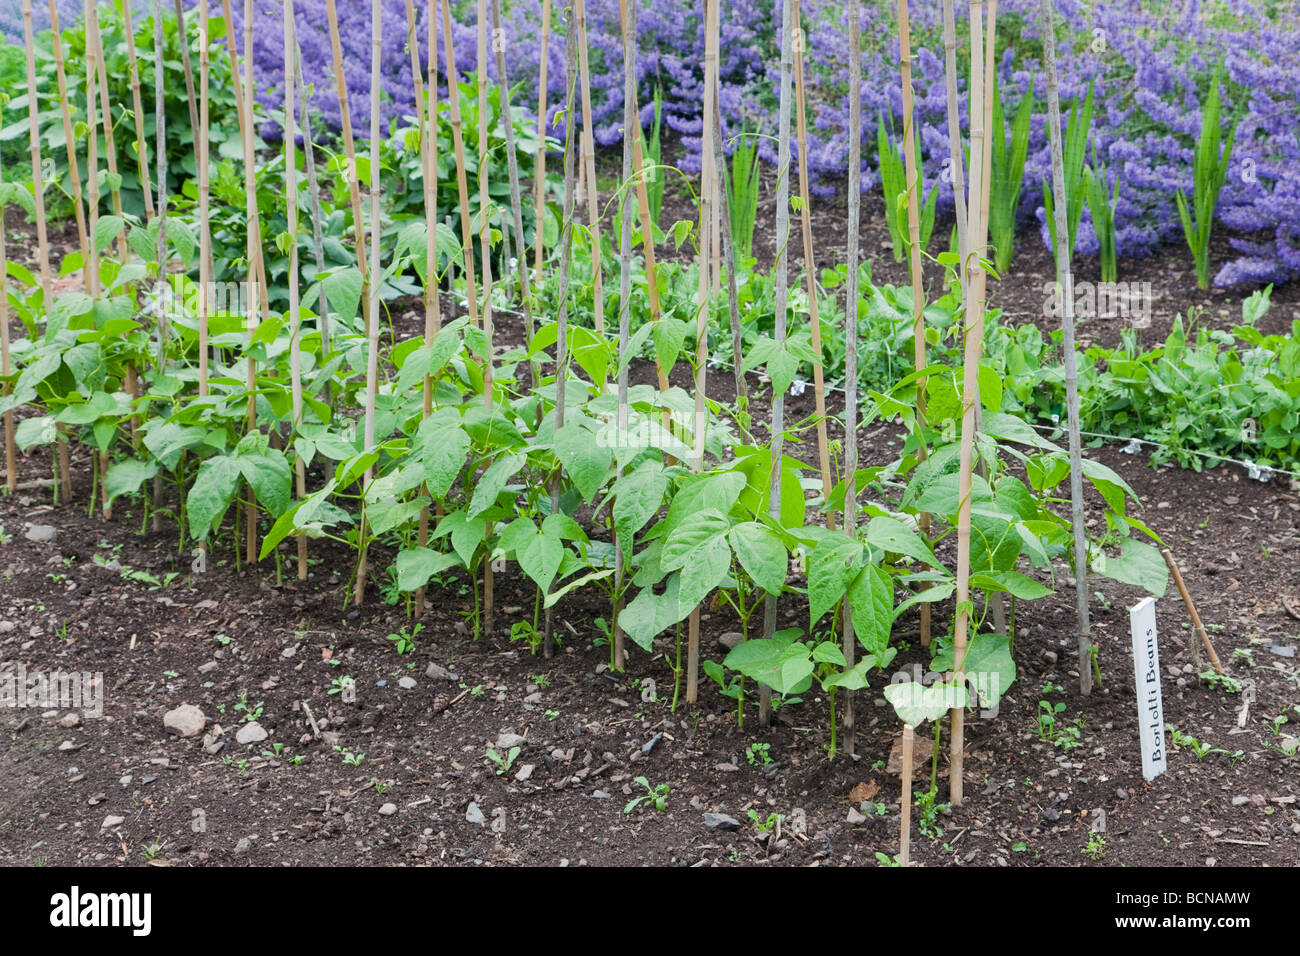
(809, 263)
(458, 144)
(350, 153)
(254, 250)
(643, 213)
(92, 184)
(205, 193)
(914, 258)
(905, 801)
(850, 644)
(372, 330)
(627, 25)
(512, 168)
(11, 447)
(780, 293)
(1065, 289)
(566, 256)
(955, 161)
(589, 165)
(539, 161)
(295, 312)
(160, 152)
(1192, 613)
(38, 175)
(74, 174)
(970, 389)
(996, 600)
(723, 223)
(708, 191)
(317, 231)
(183, 41)
(427, 114)
(133, 70)
(244, 123)
(485, 263)
(92, 162)
(110, 143)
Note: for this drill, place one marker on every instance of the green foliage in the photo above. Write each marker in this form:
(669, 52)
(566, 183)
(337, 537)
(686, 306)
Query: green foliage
(1101, 207)
(1008, 173)
(1209, 169)
(893, 182)
(742, 193)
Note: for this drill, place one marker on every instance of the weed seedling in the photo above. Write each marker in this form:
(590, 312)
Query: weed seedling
(403, 641)
(1095, 848)
(758, 754)
(766, 826)
(349, 758)
(503, 763)
(656, 796)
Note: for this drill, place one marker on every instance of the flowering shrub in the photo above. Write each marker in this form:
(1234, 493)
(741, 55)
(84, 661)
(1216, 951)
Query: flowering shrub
(1151, 62)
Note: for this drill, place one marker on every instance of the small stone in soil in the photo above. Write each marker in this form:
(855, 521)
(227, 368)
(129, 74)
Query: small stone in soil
(507, 740)
(525, 772)
(251, 733)
(112, 821)
(474, 815)
(731, 640)
(407, 683)
(649, 745)
(185, 720)
(388, 809)
(41, 532)
(720, 821)
(854, 817)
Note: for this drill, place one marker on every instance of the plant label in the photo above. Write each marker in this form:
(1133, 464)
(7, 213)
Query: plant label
(1146, 680)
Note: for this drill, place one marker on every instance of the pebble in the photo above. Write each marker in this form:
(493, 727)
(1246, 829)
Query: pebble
(731, 640)
(251, 733)
(438, 672)
(1240, 801)
(289, 651)
(208, 668)
(1050, 656)
(1281, 650)
(720, 821)
(1051, 816)
(186, 720)
(649, 745)
(525, 772)
(388, 809)
(507, 740)
(854, 817)
(41, 532)
(243, 846)
(111, 821)
(599, 795)
(797, 823)
(474, 815)
(407, 683)
(70, 720)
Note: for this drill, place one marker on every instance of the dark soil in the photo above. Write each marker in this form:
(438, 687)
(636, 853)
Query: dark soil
(221, 637)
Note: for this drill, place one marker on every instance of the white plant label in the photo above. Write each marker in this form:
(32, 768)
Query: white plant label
(1146, 680)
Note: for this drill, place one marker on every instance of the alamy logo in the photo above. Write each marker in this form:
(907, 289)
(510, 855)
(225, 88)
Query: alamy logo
(76, 909)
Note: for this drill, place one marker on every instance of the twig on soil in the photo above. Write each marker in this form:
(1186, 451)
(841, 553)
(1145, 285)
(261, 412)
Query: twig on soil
(315, 729)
